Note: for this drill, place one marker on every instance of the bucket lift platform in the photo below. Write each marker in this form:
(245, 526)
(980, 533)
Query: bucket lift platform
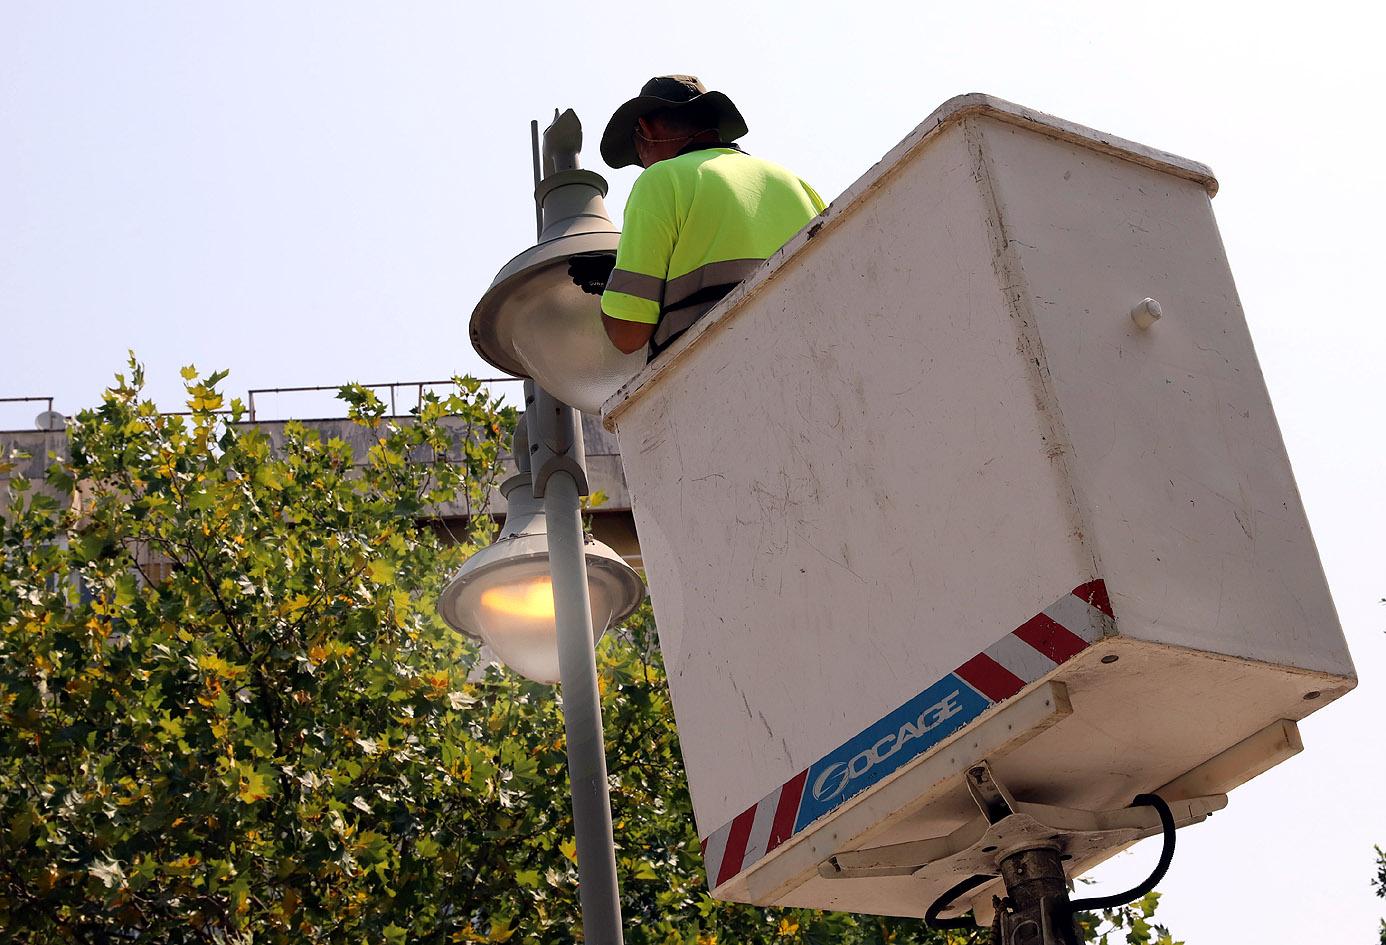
(980, 467)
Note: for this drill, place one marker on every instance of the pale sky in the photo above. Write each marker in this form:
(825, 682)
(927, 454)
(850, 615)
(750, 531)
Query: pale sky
(313, 193)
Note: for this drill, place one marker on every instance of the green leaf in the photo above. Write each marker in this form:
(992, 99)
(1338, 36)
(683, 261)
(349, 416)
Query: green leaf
(125, 590)
(270, 478)
(21, 825)
(90, 546)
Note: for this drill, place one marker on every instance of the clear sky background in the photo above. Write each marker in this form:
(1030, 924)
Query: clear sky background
(316, 192)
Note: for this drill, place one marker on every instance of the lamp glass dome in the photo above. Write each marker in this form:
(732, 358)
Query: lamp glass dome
(508, 605)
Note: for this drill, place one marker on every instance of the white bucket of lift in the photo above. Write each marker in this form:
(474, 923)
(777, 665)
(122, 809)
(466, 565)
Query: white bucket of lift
(936, 486)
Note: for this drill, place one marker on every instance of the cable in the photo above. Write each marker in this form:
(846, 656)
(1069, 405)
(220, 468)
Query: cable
(931, 919)
(1166, 855)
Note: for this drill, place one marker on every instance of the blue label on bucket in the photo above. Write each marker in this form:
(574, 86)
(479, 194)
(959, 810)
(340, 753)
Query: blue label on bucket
(888, 744)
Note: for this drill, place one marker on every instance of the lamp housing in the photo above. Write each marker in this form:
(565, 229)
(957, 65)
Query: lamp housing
(503, 594)
(534, 321)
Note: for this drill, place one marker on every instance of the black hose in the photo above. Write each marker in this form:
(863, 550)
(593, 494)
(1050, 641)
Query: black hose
(1166, 855)
(931, 919)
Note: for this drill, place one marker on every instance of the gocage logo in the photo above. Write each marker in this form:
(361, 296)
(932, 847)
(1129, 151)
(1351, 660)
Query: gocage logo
(837, 776)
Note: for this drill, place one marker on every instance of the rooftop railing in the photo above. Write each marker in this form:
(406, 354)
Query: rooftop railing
(402, 394)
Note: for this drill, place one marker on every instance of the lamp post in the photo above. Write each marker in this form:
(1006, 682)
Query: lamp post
(556, 449)
(540, 596)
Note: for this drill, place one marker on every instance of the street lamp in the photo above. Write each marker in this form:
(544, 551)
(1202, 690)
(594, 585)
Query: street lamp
(503, 594)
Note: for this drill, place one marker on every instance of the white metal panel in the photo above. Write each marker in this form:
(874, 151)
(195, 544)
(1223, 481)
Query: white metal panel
(1177, 457)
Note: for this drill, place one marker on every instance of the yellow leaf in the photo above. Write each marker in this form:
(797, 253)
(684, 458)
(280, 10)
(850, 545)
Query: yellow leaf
(254, 787)
(382, 572)
(401, 602)
(500, 931)
(188, 372)
(211, 663)
(569, 849)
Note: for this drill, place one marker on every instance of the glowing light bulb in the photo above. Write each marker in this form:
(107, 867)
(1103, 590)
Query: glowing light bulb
(533, 599)
(503, 594)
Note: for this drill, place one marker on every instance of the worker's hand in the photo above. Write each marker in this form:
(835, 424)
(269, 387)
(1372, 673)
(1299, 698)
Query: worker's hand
(591, 270)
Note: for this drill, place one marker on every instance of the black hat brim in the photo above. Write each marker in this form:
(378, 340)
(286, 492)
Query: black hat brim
(618, 140)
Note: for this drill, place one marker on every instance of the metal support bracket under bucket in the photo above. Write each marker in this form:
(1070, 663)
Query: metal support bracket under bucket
(1007, 826)
(1025, 847)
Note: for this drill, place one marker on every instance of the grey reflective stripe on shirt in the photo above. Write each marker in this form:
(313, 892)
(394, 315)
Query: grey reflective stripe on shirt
(727, 272)
(650, 288)
(672, 324)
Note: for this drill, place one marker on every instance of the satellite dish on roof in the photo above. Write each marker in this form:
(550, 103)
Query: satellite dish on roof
(51, 420)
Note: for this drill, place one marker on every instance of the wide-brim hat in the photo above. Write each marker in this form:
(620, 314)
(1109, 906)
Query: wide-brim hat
(674, 92)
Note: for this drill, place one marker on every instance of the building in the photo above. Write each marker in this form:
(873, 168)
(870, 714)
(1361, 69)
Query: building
(611, 522)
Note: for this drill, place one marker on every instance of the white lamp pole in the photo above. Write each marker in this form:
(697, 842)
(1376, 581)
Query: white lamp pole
(560, 477)
(540, 596)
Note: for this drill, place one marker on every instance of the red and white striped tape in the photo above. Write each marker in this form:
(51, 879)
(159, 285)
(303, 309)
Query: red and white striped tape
(1059, 632)
(1056, 634)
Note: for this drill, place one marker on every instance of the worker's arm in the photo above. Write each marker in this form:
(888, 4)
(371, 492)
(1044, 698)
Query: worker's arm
(627, 336)
(591, 272)
(634, 295)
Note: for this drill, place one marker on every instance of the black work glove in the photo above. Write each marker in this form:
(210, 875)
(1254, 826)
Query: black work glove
(591, 270)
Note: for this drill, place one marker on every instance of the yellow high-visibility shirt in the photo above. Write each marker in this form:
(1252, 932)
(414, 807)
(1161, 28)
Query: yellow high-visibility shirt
(696, 225)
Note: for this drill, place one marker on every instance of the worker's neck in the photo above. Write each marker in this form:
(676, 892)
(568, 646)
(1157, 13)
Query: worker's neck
(705, 143)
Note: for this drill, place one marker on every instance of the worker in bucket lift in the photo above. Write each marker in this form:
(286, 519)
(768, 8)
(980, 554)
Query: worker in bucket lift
(701, 217)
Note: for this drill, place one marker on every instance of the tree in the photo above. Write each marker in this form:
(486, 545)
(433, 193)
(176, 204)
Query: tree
(1379, 884)
(229, 712)
(226, 706)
